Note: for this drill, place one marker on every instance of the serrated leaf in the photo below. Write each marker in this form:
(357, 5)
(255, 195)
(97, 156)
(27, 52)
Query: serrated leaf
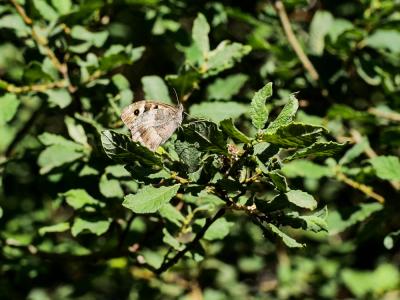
(301, 199)
(60, 227)
(287, 240)
(279, 181)
(224, 57)
(258, 110)
(57, 156)
(78, 198)
(188, 154)
(229, 128)
(120, 148)
(97, 227)
(318, 149)
(286, 115)
(226, 88)
(294, 135)
(150, 199)
(218, 230)
(218, 111)
(314, 223)
(386, 167)
(306, 169)
(170, 213)
(155, 89)
(207, 134)
(8, 107)
(200, 34)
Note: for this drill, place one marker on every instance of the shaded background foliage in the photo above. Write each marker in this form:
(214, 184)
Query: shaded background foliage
(67, 68)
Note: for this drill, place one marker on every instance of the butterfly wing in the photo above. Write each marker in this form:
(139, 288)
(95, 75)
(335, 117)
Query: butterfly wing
(152, 123)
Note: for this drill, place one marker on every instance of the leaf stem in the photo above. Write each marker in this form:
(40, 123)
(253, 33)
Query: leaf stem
(32, 88)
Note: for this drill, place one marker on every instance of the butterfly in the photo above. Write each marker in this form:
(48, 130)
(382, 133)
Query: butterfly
(152, 123)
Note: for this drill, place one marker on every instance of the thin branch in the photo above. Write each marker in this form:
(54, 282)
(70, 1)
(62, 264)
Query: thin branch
(392, 116)
(60, 66)
(367, 190)
(32, 88)
(280, 8)
(165, 266)
(124, 233)
(355, 134)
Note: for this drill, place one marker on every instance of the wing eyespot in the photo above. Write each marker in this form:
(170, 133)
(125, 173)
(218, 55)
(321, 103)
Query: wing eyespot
(136, 112)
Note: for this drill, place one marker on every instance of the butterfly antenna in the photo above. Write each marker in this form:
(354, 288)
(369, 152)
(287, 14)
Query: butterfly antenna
(176, 96)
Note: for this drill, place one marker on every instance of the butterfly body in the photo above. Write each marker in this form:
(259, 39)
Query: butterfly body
(152, 123)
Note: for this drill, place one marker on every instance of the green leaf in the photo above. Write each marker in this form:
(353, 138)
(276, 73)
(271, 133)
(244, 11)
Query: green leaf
(224, 57)
(346, 112)
(110, 188)
(49, 139)
(57, 156)
(189, 155)
(218, 230)
(78, 198)
(229, 128)
(318, 149)
(294, 135)
(60, 227)
(94, 38)
(8, 107)
(287, 240)
(218, 111)
(336, 224)
(320, 26)
(200, 34)
(354, 152)
(225, 89)
(46, 11)
(377, 282)
(150, 199)
(279, 181)
(63, 7)
(301, 199)
(59, 97)
(258, 110)
(314, 223)
(184, 83)
(286, 116)
(384, 39)
(170, 213)
(171, 241)
(338, 27)
(120, 148)
(390, 239)
(386, 167)
(76, 131)
(97, 227)
(306, 169)
(207, 135)
(155, 89)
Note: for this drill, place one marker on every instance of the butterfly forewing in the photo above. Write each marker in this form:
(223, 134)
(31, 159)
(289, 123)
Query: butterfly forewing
(152, 123)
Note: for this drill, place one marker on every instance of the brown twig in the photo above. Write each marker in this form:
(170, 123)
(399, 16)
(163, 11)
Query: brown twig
(367, 190)
(169, 263)
(32, 88)
(392, 116)
(280, 8)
